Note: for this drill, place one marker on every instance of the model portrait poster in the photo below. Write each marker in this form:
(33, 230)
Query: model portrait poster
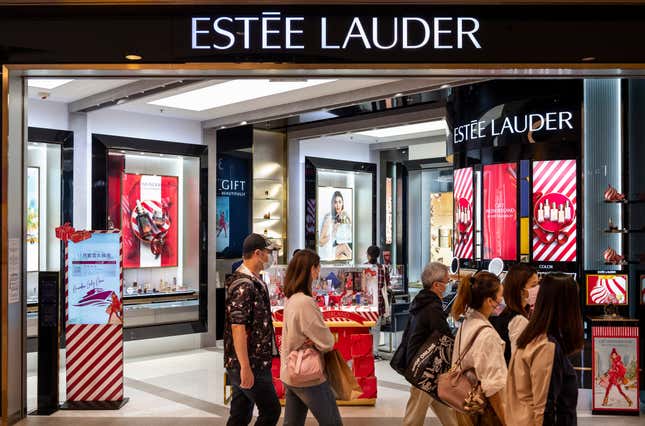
(149, 220)
(335, 218)
(607, 288)
(500, 211)
(642, 281)
(33, 218)
(233, 203)
(464, 214)
(554, 211)
(615, 368)
(94, 280)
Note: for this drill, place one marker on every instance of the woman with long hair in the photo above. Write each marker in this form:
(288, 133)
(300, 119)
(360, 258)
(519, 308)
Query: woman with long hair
(303, 326)
(513, 319)
(335, 234)
(478, 296)
(542, 386)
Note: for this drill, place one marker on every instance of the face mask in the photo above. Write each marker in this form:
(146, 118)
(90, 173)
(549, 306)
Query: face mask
(499, 308)
(266, 265)
(533, 293)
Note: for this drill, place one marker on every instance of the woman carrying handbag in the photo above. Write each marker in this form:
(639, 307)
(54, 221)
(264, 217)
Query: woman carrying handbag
(305, 337)
(475, 383)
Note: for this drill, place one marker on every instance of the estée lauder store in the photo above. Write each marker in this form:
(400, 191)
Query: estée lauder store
(80, 175)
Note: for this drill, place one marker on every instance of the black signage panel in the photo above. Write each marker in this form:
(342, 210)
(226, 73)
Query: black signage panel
(323, 34)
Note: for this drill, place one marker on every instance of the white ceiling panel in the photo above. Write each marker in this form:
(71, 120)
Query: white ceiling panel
(77, 89)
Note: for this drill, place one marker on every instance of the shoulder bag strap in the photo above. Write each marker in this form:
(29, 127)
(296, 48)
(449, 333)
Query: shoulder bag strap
(470, 344)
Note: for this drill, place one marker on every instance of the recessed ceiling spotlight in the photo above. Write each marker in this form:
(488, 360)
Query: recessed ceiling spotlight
(222, 127)
(444, 86)
(122, 152)
(244, 123)
(588, 59)
(398, 94)
(121, 101)
(133, 57)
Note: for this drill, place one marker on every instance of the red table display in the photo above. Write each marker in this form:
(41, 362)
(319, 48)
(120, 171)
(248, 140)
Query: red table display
(351, 328)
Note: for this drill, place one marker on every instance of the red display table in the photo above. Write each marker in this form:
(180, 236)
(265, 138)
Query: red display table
(351, 329)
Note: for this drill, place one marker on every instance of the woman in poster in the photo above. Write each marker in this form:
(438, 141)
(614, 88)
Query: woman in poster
(222, 225)
(336, 233)
(616, 377)
(114, 310)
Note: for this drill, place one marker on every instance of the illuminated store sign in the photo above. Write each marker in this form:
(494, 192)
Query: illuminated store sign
(519, 124)
(275, 31)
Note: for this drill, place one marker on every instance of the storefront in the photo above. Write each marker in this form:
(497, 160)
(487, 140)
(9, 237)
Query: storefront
(193, 187)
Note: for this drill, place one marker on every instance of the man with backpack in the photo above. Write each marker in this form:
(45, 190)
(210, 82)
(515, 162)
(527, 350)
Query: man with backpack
(426, 317)
(249, 338)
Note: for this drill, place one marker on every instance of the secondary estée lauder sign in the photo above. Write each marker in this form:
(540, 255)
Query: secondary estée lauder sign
(277, 31)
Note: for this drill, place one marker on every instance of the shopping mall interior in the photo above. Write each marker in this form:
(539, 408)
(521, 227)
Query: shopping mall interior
(454, 170)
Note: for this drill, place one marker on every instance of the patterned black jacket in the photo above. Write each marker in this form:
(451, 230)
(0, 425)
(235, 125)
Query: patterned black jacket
(247, 303)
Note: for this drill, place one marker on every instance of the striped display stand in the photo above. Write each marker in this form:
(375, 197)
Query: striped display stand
(94, 356)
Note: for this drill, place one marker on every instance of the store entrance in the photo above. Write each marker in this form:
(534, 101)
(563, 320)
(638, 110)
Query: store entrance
(219, 170)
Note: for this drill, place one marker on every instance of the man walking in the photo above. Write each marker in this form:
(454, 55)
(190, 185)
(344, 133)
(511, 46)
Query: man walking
(426, 316)
(249, 339)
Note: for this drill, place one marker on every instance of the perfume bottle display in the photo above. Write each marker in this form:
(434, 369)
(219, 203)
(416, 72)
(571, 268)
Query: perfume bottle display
(143, 221)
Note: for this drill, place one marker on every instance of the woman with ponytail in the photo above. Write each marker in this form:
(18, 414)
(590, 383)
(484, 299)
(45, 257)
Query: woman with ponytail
(478, 296)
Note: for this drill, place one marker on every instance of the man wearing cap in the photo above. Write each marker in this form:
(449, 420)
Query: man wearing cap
(249, 339)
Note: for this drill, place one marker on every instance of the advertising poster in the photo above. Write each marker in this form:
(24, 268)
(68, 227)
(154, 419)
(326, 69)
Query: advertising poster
(464, 218)
(149, 218)
(233, 201)
(606, 289)
(500, 211)
(642, 280)
(335, 221)
(94, 280)
(554, 211)
(615, 369)
(33, 218)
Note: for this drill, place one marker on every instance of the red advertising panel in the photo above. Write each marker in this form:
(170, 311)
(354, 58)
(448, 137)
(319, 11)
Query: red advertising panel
(149, 220)
(500, 211)
(554, 211)
(606, 289)
(464, 217)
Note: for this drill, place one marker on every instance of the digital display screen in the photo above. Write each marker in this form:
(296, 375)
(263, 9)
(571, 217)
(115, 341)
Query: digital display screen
(500, 211)
(464, 213)
(606, 289)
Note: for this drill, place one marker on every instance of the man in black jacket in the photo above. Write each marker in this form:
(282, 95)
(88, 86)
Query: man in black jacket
(426, 316)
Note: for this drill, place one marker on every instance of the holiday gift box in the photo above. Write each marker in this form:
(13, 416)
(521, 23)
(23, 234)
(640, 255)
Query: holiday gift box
(362, 345)
(368, 384)
(363, 366)
(344, 344)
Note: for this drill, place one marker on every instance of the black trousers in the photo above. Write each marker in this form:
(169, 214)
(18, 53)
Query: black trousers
(261, 394)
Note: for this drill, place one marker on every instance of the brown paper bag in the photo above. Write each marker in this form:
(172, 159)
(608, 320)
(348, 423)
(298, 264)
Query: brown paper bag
(340, 377)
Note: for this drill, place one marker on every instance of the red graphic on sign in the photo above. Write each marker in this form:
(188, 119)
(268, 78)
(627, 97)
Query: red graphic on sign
(554, 211)
(500, 211)
(463, 180)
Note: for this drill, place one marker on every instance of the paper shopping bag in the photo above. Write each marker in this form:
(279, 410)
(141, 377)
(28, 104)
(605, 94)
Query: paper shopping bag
(340, 377)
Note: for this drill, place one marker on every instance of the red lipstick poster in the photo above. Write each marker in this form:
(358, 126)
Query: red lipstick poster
(149, 220)
(554, 211)
(464, 218)
(500, 211)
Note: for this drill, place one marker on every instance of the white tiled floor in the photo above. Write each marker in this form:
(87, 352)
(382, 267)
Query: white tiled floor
(190, 385)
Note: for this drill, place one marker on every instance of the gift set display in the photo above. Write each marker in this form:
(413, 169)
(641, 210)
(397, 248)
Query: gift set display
(347, 297)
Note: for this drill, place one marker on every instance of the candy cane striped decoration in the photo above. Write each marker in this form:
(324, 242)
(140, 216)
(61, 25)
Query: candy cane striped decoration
(94, 353)
(463, 183)
(558, 176)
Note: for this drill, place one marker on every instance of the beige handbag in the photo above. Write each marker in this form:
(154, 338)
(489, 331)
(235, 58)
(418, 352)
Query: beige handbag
(461, 389)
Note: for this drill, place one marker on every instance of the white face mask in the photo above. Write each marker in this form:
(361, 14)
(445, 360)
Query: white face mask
(499, 308)
(533, 293)
(269, 263)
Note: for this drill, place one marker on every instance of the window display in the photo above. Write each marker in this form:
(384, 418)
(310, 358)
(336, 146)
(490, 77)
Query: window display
(33, 218)
(149, 220)
(441, 227)
(500, 211)
(336, 227)
(340, 209)
(463, 213)
(554, 211)
(604, 289)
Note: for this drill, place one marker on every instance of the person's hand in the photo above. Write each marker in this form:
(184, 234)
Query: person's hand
(246, 378)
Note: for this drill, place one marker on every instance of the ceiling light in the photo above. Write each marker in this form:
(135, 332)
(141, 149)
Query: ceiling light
(398, 94)
(133, 57)
(588, 59)
(46, 83)
(243, 123)
(231, 92)
(444, 86)
(407, 129)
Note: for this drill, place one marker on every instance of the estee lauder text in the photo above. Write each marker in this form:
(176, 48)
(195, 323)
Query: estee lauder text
(272, 30)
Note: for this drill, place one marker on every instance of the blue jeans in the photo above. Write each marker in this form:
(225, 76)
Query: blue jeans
(261, 394)
(319, 399)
